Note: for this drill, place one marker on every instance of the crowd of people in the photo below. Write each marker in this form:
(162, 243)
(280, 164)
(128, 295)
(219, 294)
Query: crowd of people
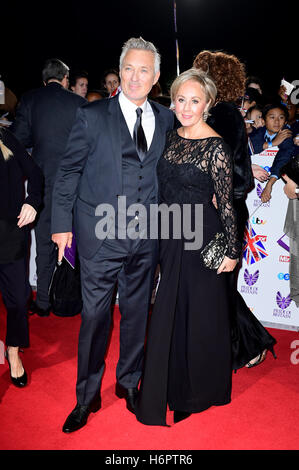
(80, 148)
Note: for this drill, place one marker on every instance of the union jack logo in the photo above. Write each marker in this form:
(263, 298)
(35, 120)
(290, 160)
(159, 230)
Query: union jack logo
(253, 249)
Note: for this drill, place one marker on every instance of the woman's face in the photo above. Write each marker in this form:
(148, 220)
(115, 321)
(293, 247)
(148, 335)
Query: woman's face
(111, 82)
(275, 120)
(256, 116)
(81, 86)
(190, 103)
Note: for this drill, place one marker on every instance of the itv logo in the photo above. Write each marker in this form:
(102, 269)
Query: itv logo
(258, 221)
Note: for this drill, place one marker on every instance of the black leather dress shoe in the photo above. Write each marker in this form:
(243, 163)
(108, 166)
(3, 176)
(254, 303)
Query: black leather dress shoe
(34, 308)
(78, 417)
(17, 381)
(130, 394)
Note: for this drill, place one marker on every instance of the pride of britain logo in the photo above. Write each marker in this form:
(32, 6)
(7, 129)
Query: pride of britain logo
(250, 280)
(257, 202)
(283, 303)
(253, 248)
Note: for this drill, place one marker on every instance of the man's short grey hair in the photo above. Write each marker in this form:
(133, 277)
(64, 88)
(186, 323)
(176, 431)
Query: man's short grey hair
(140, 43)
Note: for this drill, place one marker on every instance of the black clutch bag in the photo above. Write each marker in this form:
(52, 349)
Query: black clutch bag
(214, 252)
(65, 290)
(291, 169)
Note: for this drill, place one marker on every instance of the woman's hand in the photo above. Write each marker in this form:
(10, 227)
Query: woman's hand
(227, 265)
(289, 188)
(214, 201)
(259, 173)
(26, 216)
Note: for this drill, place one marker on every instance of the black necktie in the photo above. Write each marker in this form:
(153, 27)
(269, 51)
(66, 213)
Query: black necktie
(139, 137)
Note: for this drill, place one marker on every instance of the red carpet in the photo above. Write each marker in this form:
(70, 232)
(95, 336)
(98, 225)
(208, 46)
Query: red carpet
(263, 414)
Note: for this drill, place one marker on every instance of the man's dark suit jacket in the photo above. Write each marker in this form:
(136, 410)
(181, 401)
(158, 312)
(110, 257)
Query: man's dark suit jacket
(90, 172)
(43, 122)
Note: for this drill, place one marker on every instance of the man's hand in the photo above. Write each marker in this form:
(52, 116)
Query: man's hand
(282, 135)
(266, 194)
(282, 93)
(62, 240)
(26, 216)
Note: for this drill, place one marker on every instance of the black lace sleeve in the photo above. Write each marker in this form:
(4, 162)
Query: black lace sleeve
(221, 170)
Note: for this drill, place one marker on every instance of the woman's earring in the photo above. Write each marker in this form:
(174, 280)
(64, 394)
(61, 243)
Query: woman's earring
(205, 116)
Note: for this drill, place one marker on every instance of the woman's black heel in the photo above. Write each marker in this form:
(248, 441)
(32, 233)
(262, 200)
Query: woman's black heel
(17, 381)
(271, 348)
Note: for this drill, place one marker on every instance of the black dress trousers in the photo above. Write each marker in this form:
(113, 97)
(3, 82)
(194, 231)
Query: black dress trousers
(132, 264)
(14, 290)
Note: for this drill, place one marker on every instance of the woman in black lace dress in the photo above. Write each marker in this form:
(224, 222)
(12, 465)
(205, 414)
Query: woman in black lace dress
(188, 357)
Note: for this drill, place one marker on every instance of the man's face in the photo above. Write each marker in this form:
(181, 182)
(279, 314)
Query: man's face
(65, 82)
(138, 75)
(275, 120)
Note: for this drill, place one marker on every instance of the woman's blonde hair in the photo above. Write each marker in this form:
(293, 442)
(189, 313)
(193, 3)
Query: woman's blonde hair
(199, 76)
(5, 150)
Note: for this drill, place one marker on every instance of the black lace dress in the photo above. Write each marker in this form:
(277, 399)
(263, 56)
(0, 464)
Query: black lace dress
(188, 353)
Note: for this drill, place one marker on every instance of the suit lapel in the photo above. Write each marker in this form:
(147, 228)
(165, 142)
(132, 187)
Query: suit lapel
(113, 124)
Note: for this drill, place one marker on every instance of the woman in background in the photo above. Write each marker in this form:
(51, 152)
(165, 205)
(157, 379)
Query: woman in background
(16, 212)
(250, 339)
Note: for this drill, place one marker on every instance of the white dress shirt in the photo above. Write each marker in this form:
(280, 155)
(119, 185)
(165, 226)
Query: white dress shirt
(147, 118)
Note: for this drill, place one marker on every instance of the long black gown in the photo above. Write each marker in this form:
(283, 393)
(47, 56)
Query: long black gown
(188, 362)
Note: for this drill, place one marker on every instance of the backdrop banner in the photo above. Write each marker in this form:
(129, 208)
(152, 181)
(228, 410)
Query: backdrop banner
(264, 277)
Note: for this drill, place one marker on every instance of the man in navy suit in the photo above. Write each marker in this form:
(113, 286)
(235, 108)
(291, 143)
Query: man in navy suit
(43, 122)
(112, 153)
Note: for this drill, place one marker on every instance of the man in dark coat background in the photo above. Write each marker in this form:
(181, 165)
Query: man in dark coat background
(43, 122)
